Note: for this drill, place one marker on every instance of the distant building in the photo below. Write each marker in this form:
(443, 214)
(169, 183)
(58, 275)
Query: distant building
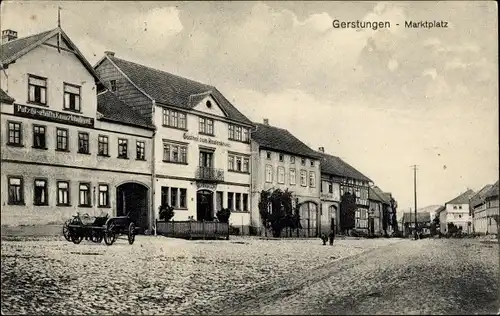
(424, 221)
(484, 210)
(280, 160)
(457, 212)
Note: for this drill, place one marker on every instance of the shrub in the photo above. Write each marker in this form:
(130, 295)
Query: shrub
(166, 212)
(223, 215)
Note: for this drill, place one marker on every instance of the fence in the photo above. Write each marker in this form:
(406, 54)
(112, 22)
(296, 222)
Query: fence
(193, 229)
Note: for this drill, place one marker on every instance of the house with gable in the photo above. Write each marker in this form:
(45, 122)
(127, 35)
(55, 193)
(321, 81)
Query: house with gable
(456, 211)
(201, 147)
(484, 210)
(67, 145)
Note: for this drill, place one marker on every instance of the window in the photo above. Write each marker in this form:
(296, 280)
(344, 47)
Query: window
(16, 192)
(358, 193)
(164, 196)
(173, 197)
(293, 178)
(312, 179)
(245, 202)
(330, 188)
(230, 197)
(84, 196)
(238, 163)
(122, 148)
(39, 136)
(40, 195)
(238, 133)
(281, 175)
(103, 146)
(83, 143)
(15, 134)
(303, 161)
(281, 157)
(292, 159)
(103, 195)
(183, 198)
(206, 126)
(268, 155)
(112, 85)
(62, 139)
(361, 218)
(460, 207)
(303, 178)
(141, 150)
(37, 90)
(172, 118)
(62, 193)
(238, 202)
(454, 207)
(174, 153)
(71, 97)
(206, 159)
(269, 174)
(312, 163)
(218, 200)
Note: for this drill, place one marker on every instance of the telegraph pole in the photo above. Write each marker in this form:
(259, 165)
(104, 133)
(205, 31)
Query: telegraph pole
(415, 196)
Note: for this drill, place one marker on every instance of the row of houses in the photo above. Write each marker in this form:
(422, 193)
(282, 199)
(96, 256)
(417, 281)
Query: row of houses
(123, 138)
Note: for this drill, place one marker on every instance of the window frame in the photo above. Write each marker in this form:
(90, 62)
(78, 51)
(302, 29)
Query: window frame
(140, 148)
(44, 146)
(81, 139)
(281, 177)
(34, 92)
(172, 116)
(68, 193)
(113, 85)
(238, 133)
(268, 168)
(67, 107)
(312, 176)
(292, 171)
(203, 126)
(46, 192)
(181, 204)
(107, 194)
(20, 131)
(66, 137)
(182, 152)
(99, 143)
(303, 172)
(281, 157)
(10, 201)
(122, 142)
(89, 196)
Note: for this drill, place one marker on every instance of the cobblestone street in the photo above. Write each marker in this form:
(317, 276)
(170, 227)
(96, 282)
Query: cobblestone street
(250, 276)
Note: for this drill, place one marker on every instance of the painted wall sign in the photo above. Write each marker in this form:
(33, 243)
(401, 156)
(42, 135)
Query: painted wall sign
(52, 116)
(205, 140)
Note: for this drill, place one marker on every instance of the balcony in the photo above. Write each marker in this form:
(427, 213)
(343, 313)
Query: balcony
(209, 174)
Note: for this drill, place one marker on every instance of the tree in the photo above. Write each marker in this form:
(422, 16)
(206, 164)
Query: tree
(166, 212)
(223, 215)
(347, 211)
(276, 211)
(394, 222)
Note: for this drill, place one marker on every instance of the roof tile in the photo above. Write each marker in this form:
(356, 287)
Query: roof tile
(462, 198)
(11, 48)
(4, 97)
(335, 166)
(114, 109)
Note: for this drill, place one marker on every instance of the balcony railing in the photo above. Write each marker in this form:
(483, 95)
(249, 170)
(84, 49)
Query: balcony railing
(209, 174)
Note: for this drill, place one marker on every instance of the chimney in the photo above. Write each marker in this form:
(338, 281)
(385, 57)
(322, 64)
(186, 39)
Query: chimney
(109, 53)
(266, 121)
(322, 149)
(8, 35)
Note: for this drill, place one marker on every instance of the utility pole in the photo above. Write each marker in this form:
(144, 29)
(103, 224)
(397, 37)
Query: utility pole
(415, 196)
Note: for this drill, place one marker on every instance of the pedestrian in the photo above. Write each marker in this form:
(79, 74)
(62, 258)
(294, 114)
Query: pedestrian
(331, 236)
(324, 238)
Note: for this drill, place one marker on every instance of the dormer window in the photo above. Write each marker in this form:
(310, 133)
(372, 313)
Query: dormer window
(37, 90)
(71, 97)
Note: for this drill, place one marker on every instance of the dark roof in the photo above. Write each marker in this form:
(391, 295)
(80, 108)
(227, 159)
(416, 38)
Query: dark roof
(422, 217)
(10, 49)
(335, 166)
(462, 198)
(169, 89)
(281, 140)
(4, 97)
(493, 191)
(372, 195)
(113, 109)
(478, 198)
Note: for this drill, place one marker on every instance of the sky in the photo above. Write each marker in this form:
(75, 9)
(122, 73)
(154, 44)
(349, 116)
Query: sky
(381, 100)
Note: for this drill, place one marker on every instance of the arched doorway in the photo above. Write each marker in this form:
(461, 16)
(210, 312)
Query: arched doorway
(204, 205)
(132, 199)
(309, 219)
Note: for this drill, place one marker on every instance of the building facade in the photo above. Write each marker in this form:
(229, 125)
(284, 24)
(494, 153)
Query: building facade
(201, 146)
(280, 160)
(338, 173)
(68, 146)
(457, 212)
(377, 205)
(485, 211)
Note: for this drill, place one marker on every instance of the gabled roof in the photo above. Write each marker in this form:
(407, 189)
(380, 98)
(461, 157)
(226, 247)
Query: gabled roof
(12, 50)
(493, 191)
(113, 109)
(168, 89)
(5, 98)
(335, 166)
(372, 195)
(479, 197)
(422, 217)
(462, 198)
(281, 140)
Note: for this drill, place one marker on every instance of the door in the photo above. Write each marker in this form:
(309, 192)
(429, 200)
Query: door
(204, 205)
